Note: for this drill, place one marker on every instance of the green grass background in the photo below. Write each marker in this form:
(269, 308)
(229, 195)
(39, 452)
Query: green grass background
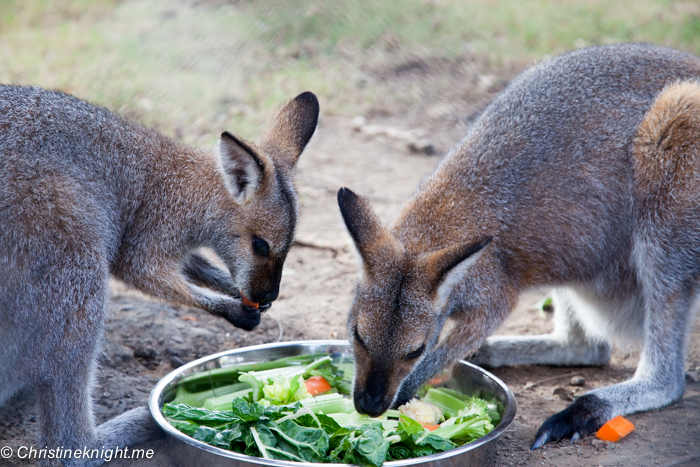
(191, 68)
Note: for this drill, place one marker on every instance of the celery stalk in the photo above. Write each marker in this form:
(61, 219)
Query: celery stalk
(197, 399)
(230, 373)
(224, 402)
(449, 404)
(328, 405)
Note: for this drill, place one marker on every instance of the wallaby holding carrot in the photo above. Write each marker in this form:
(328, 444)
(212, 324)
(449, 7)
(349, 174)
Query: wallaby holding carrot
(583, 175)
(84, 194)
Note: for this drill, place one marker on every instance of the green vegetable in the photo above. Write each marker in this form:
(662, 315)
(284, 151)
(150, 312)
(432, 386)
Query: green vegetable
(284, 390)
(205, 380)
(448, 403)
(266, 412)
(224, 402)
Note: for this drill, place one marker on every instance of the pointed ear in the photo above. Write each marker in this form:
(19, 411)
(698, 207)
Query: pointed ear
(291, 130)
(243, 169)
(369, 235)
(438, 264)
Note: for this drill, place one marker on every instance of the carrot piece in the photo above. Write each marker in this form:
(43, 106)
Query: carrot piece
(247, 302)
(317, 385)
(615, 429)
(431, 427)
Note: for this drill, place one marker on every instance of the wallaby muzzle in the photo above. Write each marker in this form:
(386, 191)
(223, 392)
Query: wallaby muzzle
(372, 401)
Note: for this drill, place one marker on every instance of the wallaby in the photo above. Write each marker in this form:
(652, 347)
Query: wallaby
(583, 175)
(84, 194)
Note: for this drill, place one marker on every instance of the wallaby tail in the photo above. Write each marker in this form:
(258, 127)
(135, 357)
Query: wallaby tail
(666, 151)
(133, 427)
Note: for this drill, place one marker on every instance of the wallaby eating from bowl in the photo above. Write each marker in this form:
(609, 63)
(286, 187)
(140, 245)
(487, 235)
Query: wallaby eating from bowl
(85, 194)
(582, 175)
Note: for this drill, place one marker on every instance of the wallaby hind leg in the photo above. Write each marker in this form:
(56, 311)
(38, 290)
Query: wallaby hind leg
(658, 381)
(666, 167)
(567, 345)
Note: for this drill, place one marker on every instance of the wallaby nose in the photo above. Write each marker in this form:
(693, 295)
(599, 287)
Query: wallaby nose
(370, 404)
(271, 296)
(370, 401)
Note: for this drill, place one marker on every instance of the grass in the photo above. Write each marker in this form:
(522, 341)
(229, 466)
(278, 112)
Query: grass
(192, 70)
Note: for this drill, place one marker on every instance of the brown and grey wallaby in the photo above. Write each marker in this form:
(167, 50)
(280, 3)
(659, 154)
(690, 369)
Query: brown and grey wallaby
(85, 194)
(582, 175)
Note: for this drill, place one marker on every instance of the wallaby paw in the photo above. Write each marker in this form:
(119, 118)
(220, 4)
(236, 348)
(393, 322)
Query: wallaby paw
(134, 426)
(586, 415)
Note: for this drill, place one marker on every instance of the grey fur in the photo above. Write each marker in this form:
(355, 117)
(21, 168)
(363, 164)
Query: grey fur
(85, 194)
(555, 171)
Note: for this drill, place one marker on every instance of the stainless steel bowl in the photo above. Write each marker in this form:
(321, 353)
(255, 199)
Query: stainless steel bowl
(188, 452)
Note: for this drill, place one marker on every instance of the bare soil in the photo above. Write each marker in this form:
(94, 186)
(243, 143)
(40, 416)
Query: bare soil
(144, 340)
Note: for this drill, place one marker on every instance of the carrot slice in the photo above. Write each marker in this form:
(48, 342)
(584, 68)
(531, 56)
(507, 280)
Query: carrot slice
(317, 385)
(615, 429)
(247, 302)
(431, 427)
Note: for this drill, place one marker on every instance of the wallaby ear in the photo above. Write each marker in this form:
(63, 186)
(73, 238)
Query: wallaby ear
(438, 264)
(365, 228)
(292, 128)
(243, 169)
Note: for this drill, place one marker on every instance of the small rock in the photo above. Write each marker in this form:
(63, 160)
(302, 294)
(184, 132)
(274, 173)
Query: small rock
(358, 122)
(609, 445)
(421, 145)
(508, 436)
(177, 339)
(693, 376)
(577, 381)
(176, 362)
(148, 352)
(170, 351)
(598, 443)
(564, 394)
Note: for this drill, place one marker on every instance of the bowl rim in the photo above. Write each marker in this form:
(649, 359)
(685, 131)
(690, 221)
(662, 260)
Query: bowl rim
(157, 391)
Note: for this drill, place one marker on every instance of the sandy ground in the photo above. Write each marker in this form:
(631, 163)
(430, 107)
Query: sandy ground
(145, 339)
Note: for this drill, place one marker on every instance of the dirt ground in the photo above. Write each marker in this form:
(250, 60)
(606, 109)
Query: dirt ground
(145, 339)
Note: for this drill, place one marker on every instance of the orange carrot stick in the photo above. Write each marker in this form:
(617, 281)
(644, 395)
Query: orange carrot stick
(247, 302)
(615, 429)
(431, 427)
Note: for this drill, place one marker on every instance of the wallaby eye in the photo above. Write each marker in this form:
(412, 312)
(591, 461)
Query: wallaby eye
(359, 339)
(416, 353)
(260, 247)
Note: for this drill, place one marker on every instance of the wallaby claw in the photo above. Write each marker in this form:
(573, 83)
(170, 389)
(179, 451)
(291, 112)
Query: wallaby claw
(539, 442)
(586, 415)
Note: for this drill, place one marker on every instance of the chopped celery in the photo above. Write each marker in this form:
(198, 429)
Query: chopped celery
(229, 374)
(355, 418)
(197, 399)
(470, 427)
(329, 404)
(224, 402)
(449, 404)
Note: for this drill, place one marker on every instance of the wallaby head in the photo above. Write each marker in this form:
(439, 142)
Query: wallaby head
(395, 319)
(258, 177)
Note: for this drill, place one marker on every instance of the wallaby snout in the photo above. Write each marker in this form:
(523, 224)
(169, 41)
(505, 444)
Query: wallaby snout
(371, 399)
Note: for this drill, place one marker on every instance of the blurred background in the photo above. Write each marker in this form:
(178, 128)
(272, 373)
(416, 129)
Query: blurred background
(399, 82)
(189, 67)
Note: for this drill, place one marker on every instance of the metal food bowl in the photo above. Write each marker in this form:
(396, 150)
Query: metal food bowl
(188, 452)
